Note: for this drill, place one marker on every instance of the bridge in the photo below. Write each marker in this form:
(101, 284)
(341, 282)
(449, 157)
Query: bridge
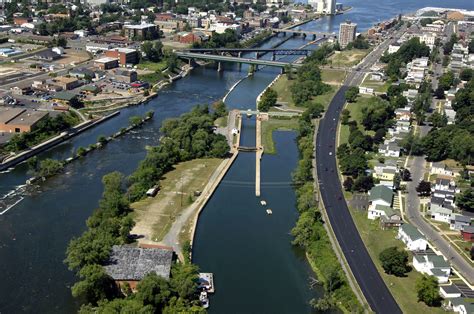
(304, 33)
(221, 58)
(237, 52)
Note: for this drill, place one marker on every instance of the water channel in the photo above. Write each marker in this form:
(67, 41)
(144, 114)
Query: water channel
(257, 270)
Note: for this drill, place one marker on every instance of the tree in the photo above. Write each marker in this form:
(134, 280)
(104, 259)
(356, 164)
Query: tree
(352, 93)
(405, 175)
(49, 167)
(135, 120)
(465, 200)
(219, 109)
(152, 50)
(268, 100)
(183, 281)
(438, 120)
(363, 183)
(428, 290)
(424, 188)
(348, 184)
(439, 92)
(394, 261)
(466, 74)
(153, 290)
(446, 80)
(95, 284)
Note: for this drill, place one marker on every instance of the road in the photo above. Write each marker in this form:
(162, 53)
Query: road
(368, 278)
(417, 169)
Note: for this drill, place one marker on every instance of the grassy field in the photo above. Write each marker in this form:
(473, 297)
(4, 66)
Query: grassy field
(348, 57)
(221, 122)
(333, 76)
(378, 86)
(275, 124)
(152, 66)
(356, 115)
(151, 78)
(154, 216)
(282, 87)
(402, 288)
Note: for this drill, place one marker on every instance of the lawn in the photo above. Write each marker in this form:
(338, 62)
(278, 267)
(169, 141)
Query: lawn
(333, 76)
(221, 122)
(282, 87)
(271, 125)
(154, 216)
(355, 109)
(152, 66)
(378, 86)
(402, 288)
(151, 78)
(348, 57)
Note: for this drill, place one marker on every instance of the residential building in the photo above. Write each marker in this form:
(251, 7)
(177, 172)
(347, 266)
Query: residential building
(390, 149)
(19, 120)
(468, 233)
(65, 98)
(444, 184)
(440, 213)
(124, 55)
(441, 169)
(47, 55)
(131, 264)
(347, 33)
(380, 195)
(459, 222)
(323, 6)
(432, 265)
(461, 306)
(387, 174)
(413, 239)
(449, 292)
(393, 48)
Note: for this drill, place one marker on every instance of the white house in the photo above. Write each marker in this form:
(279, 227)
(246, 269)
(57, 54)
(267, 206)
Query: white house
(380, 195)
(449, 292)
(440, 168)
(413, 239)
(461, 306)
(376, 211)
(444, 184)
(432, 265)
(439, 213)
(390, 150)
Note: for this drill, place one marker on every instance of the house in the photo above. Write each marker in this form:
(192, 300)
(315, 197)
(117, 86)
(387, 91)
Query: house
(403, 114)
(441, 169)
(389, 218)
(390, 150)
(413, 239)
(432, 265)
(439, 212)
(449, 292)
(47, 55)
(376, 211)
(67, 83)
(444, 184)
(380, 195)
(461, 306)
(386, 174)
(468, 233)
(443, 197)
(65, 98)
(131, 264)
(459, 222)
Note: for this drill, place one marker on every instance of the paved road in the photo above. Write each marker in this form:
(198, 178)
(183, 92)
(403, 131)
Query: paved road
(368, 278)
(417, 169)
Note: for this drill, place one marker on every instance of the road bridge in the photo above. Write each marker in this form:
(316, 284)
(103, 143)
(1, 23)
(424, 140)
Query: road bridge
(221, 58)
(237, 52)
(304, 33)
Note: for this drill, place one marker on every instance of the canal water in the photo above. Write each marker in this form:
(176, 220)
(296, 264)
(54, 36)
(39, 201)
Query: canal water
(257, 270)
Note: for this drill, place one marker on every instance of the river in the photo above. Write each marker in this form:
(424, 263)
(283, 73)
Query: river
(236, 240)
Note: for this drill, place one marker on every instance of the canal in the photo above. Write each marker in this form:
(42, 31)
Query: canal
(257, 269)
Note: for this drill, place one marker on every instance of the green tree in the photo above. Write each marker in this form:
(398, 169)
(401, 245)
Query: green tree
(394, 261)
(352, 93)
(49, 167)
(428, 291)
(424, 188)
(268, 100)
(95, 285)
(153, 290)
(465, 200)
(183, 281)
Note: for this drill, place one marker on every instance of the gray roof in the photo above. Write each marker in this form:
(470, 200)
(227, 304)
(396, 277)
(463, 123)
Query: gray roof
(133, 263)
(450, 289)
(412, 232)
(438, 261)
(462, 218)
(468, 229)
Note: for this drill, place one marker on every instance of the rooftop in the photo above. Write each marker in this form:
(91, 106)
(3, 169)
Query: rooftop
(28, 117)
(133, 263)
(9, 113)
(412, 232)
(105, 60)
(381, 192)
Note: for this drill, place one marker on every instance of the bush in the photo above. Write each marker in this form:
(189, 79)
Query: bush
(394, 261)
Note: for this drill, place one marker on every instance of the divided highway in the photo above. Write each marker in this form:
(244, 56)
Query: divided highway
(369, 280)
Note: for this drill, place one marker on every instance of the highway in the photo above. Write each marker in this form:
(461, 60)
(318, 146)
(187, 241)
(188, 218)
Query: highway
(369, 280)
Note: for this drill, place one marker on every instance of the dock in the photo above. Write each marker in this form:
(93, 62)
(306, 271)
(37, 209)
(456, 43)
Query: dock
(258, 153)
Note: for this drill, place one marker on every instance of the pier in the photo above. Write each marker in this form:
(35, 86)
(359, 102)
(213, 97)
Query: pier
(259, 150)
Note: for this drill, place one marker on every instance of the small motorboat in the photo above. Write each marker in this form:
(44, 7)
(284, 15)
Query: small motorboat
(204, 299)
(269, 211)
(263, 203)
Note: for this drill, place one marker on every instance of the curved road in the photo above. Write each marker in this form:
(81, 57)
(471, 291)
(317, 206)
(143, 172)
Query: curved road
(369, 280)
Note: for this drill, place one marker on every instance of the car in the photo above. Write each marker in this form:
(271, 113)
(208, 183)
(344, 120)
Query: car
(330, 153)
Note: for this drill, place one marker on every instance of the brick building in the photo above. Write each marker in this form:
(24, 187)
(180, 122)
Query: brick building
(19, 120)
(124, 55)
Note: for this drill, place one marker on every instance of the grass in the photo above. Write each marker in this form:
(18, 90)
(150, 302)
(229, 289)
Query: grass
(152, 66)
(402, 288)
(333, 76)
(282, 87)
(355, 110)
(378, 86)
(151, 78)
(271, 125)
(221, 122)
(155, 216)
(348, 57)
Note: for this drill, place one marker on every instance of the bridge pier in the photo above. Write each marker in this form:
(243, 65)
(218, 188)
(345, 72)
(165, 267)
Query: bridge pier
(239, 54)
(273, 57)
(304, 35)
(257, 55)
(314, 37)
(282, 70)
(219, 67)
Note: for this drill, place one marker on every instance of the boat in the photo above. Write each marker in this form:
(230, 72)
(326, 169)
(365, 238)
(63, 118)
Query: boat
(204, 299)
(269, 211)
(249, 113)
(263, 203)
